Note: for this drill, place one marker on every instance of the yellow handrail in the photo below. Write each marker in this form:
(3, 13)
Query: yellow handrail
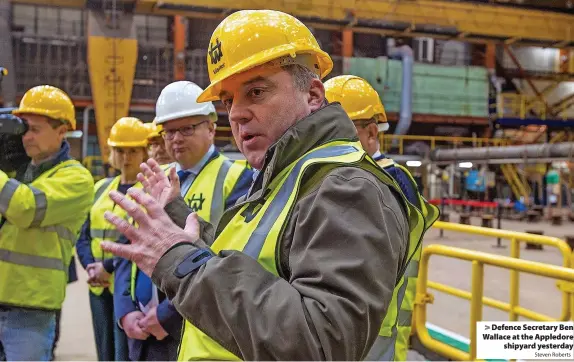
(515, 238)
(478, 259)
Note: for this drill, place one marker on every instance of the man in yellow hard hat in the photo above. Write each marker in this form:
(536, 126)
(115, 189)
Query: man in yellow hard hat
(364, 107)
(156, 144)
(41, 212)
(306, 266)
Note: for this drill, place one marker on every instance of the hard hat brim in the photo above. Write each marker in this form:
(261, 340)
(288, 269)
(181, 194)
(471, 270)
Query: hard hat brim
(128, 144)
(211, 93)
(42, 112)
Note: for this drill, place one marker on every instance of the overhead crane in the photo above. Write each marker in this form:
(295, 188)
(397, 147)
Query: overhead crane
(470, 22)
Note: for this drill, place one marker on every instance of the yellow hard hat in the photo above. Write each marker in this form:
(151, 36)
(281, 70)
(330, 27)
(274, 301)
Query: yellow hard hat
(154, 129)
(48, 101)
(128, 132)
(358, 98)
(248, 38)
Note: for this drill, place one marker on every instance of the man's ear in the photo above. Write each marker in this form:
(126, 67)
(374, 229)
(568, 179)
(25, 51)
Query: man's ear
(373, 131)
(316, 96)
(62, 131)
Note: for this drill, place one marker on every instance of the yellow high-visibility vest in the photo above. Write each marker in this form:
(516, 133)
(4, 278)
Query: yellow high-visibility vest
(259, 238)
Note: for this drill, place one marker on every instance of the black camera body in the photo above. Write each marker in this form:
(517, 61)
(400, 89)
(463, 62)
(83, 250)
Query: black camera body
(12, 153)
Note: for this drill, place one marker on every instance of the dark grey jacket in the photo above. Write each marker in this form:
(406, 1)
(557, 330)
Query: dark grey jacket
(339, 259)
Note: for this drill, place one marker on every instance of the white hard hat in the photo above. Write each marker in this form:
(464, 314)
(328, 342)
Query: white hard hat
(178, 100)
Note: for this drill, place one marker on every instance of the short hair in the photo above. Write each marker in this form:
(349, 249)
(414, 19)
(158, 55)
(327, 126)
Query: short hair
(302, 76)
(55, 123)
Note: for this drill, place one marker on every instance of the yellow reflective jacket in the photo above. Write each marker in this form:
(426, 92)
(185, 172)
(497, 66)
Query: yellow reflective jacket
(43, 220)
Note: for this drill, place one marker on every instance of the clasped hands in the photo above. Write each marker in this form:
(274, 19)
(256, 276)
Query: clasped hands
(138, 325)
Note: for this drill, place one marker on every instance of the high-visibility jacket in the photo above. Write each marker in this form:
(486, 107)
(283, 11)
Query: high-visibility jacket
(206, 196)
(259, 238)
(42, 222)
(393, 341)
(212, 186)
(100, 228)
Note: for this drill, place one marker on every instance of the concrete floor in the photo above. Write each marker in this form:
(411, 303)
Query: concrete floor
(537, 293)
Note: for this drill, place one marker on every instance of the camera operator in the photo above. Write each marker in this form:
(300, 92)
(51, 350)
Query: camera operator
(42, 209)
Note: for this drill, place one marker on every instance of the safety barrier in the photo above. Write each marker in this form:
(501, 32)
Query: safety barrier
(478, 259)
(515, 238)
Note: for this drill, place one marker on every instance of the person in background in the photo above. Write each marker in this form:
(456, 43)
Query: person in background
(42, 209)
(128, 143)
(211, 183)
(156, 144)
(363, 105)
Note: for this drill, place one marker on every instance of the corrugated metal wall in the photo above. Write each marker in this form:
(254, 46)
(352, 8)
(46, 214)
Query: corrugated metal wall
(460, 91)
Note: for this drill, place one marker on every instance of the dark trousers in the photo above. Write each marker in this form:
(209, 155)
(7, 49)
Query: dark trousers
(111, 340)
(154, 350)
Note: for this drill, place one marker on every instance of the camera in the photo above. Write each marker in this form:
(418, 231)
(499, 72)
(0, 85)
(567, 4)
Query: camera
(12, 153)
(10, 124)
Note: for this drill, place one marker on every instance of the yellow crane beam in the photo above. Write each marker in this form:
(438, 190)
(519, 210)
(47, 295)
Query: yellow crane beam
(477, 23)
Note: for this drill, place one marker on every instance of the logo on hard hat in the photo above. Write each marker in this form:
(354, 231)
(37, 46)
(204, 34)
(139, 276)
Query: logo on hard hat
(215, 52)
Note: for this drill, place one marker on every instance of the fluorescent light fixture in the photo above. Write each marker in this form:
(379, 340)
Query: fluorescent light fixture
(414, 163)
(465, 165)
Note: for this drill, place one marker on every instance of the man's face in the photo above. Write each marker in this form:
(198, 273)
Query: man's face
(42, 140)
(188, 139)
(158, 151)
(262, 104)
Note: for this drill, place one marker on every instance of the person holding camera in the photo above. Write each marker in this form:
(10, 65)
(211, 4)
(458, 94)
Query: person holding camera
(42, 209)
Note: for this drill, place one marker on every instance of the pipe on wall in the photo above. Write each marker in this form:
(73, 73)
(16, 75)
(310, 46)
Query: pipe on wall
(405, 54)
(555, 150)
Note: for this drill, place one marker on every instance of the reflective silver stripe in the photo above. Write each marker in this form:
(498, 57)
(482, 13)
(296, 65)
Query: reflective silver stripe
(41, 206)
(278, 203)
(405, 318)
(63, 232)
(6, 194)
(217, 206)
(412, 270)
(102, 188)
(31, 260)
(389, 343)
(382, 350)
(108, 234)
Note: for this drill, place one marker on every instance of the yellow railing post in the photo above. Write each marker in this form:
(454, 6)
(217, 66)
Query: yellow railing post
(476, 303)
(515, 238)
(478, 259)
(514, 281)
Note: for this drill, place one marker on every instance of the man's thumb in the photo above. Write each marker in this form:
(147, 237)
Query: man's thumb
(192, 224)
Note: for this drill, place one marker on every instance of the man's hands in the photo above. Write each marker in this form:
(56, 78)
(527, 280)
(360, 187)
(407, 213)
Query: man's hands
(139, 326)
(131, 325)
(157, 184)
(97, 275)
(150, 324)
(155, 234)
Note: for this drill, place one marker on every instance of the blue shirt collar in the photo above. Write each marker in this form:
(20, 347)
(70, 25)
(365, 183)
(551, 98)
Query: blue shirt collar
(198, 166)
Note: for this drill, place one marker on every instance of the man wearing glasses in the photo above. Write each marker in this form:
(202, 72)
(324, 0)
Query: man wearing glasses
(209, 184)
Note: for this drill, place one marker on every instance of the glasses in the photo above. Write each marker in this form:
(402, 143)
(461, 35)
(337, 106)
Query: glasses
(185, 131)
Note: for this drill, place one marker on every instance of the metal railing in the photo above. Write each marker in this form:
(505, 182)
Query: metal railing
(515, 238)
(433, 142)
(478, 259)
